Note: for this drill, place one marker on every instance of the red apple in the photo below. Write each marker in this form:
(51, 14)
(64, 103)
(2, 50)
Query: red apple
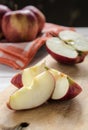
(3, 9)
(69, 47)
(20, 25)
(39, 15)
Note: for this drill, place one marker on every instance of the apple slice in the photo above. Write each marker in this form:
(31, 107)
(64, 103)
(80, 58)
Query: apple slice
(63, 52)
(34, 95)
(25, 77)
(29, 73)
(65, 87)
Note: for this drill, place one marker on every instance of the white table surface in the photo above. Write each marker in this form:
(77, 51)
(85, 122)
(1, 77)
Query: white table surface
(6, 72)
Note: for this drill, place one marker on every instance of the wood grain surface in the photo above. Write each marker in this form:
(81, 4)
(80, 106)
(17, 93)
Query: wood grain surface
(53, 115)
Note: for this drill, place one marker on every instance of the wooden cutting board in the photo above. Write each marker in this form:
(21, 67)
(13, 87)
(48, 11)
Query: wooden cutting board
(53, 115)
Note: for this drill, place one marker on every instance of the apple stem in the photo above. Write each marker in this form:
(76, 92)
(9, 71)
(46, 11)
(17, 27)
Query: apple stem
(46, 68)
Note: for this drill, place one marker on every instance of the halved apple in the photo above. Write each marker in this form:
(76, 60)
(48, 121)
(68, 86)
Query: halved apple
(25, 77)
(65, 87)
(69, 47)
(34, 95)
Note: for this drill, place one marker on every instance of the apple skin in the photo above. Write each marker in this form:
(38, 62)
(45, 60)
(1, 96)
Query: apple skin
(3, 9)
(73, 91)
(8, 105)
(66, 60)
(39, 15)
(17, 80)
(19, 26)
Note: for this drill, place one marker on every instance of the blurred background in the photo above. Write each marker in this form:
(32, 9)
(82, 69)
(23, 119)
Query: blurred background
(63, 12)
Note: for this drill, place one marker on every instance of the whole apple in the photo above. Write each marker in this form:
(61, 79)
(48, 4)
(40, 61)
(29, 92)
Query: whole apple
(3, 9)
(20, 26)
(40, 16)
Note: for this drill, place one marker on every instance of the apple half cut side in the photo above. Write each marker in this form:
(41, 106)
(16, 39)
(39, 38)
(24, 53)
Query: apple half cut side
(61, 51)
(25, 77)
(65, 87)
(34, 95)
(69, 47)
(76, 40)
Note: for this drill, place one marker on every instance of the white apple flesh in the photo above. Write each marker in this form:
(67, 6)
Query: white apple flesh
(35, 95)
(29, 73)
(61, 88)
(20, 26)
(74, 39)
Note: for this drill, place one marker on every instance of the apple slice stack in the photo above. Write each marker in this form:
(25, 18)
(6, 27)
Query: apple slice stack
(39, 83)
(69, 47)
